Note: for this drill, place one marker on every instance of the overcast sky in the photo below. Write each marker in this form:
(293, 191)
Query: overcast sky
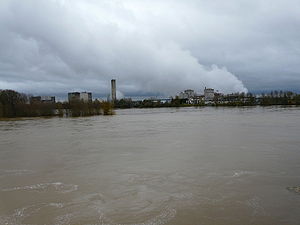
(57, 46)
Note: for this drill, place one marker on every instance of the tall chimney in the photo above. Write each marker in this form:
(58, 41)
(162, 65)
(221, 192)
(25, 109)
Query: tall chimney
(113, 90)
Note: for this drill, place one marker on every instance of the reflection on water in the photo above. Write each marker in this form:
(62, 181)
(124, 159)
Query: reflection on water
(153, 167)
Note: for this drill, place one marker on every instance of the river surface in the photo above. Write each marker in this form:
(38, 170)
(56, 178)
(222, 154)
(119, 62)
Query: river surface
(186, 166)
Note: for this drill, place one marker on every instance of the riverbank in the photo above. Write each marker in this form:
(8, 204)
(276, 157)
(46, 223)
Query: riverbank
(114, 111)
(14, 104)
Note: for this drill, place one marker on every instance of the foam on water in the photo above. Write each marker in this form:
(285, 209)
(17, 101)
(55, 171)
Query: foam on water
(63, 219)
(242, 173)
(164, 217)
(17, 217)
(57, 205)
(56, 186)
(295, 189)
(15, 172)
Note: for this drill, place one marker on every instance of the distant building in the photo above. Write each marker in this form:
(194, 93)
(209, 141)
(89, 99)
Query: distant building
(86, 96)
(42, 99)
(209, 94)
(80, 96)
(189, 93)
(113, 90)
(165, 100)
(74, 96)
(235, 97)
(198, 99)
(49, 99)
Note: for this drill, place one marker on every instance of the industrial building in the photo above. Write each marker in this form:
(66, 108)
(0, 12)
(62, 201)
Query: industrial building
(80, 96)
(189, 96)
(189, 93)
(209, 94)
(42, 99)
(113, 90)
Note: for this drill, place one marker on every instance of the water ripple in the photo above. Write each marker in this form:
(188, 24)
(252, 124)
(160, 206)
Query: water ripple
(56, 186)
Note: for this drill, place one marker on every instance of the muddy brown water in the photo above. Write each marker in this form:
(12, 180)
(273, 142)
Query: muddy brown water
(187, 166)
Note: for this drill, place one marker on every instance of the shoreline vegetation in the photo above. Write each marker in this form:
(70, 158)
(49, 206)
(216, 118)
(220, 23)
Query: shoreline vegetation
(14, 105)
(17, 105)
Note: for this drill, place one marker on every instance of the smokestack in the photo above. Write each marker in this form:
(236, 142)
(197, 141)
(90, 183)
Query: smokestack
(113, 90)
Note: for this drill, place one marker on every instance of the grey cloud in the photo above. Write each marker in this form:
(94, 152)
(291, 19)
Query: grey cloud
(148, 46)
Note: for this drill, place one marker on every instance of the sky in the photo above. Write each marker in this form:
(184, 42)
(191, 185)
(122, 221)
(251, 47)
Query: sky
(150, 47)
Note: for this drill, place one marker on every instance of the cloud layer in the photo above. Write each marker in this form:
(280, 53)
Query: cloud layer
(56, 46)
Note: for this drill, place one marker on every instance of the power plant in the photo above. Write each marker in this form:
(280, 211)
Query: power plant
(113, 90)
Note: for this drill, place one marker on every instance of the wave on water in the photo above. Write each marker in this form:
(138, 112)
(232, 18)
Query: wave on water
(242, 173)
(63, 219)
(20, 214)
(164, 217)
(57, 187)
(15, 172)
(256, 206)
(57, 205)
(295, 189)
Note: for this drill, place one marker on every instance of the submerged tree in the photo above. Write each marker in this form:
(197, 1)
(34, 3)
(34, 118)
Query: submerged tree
(10, 100)
(107, 108)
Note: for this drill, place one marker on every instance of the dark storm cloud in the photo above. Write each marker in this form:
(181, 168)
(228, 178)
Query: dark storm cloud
(56, 46)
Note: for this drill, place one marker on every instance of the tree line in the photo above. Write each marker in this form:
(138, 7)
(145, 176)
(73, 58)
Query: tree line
(15, 104)
(234, 99)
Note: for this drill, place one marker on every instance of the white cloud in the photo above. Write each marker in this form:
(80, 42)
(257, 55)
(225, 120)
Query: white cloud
(148, 46)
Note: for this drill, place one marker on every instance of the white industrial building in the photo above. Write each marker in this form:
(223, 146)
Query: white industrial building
(209, 94)
(80, 96)
(189, 93)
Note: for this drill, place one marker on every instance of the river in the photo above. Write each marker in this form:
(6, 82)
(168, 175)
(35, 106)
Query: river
(185, 166)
